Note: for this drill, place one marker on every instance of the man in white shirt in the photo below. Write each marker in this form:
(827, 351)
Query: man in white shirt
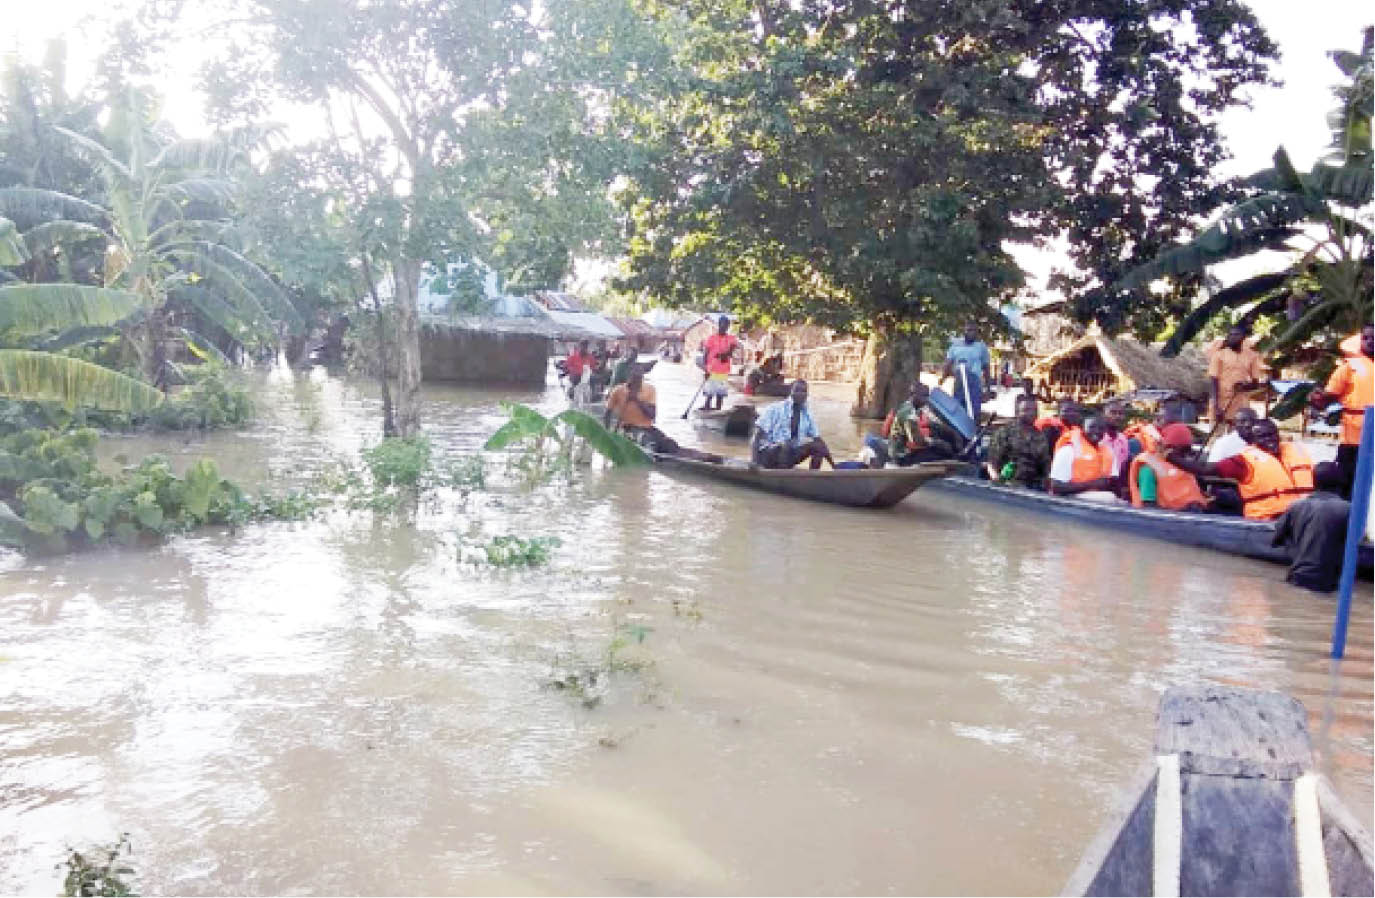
(1237, 440)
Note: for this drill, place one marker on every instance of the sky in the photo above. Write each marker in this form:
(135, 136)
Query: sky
(1293, 114)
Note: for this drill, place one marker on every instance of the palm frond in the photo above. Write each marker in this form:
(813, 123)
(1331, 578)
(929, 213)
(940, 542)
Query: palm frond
(46, 377)
(620, 451)
(98, 153)
(272, 296)
(1348, 184)
(37, 308)
(1309, 324)
(13, 250)
(33, 205)
(219, 153)
(1230, 238)
(202, 348)
(44, 237)
(1238, 294)
(213, 191)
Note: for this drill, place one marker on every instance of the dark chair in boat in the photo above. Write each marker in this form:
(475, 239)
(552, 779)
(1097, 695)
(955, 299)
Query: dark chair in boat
(1230, 805)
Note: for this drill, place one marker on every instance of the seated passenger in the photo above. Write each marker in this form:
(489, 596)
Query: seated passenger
(1315, 530)
(766, 376)
(1018, 453)
(1271, 475)
(914, 434)
(1148, 433)
(1115, 419)
(1055, 427)
(785, 434)
(1154, 479)
(1082, 466)
(1238, 439)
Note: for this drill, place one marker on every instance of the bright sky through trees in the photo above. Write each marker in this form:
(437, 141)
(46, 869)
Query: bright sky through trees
(1293, 114)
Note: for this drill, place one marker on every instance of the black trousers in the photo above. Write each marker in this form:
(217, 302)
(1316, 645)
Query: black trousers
(1346, 460)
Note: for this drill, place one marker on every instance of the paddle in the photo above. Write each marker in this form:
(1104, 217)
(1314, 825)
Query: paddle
(693, 400)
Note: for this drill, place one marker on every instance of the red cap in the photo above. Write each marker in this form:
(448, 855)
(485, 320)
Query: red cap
(1177, 436)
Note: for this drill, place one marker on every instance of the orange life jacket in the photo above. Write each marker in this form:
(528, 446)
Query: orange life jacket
(1175, 488)
(1148, 435)
(1360, 392)
(1274, 483)
(1090, 462)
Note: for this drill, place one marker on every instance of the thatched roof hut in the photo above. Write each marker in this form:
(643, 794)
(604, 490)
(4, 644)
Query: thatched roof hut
(1095, 367)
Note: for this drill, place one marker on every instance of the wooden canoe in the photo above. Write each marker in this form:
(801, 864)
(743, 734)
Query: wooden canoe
(735, 421)
(1234, 535)
(861, 487)
(1229, 805)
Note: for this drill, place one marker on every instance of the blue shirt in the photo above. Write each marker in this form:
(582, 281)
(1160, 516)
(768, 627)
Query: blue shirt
(974, 355)
(775, 425)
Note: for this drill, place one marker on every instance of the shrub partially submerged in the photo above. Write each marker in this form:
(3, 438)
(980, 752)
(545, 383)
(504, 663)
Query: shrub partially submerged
(53, 496)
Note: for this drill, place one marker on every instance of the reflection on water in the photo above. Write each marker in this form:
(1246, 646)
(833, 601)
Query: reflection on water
(837, 700)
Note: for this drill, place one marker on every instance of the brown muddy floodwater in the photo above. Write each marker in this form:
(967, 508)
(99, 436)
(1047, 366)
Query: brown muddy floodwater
(941, 698)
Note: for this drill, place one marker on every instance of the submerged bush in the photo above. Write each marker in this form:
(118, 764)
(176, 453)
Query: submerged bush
(511, 551)
(398, 461)
(53, 496)
(99, 872)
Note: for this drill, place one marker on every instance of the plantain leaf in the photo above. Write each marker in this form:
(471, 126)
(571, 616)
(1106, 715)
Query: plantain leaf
(620, 451)
(13, 250)
(45, 377)
(254, 278)
(31, 204)
(98, 153)
(214, 191)
(62, 232)
(1238, 294)
(525, 423)
(37, 308)
(202, 348)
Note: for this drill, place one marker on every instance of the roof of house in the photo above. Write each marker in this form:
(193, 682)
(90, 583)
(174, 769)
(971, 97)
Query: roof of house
(633, 327)
(512, 315)
(555, 301)
(1138, 366)
(670, 320)
(594, 324)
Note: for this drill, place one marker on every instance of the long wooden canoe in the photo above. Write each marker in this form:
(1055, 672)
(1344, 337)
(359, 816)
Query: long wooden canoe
(1229, 804)
(1234, 535)
(735, 421)
(861, 487)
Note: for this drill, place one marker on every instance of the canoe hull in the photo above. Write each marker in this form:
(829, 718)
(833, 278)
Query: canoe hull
(1235, 536)
(867, 488)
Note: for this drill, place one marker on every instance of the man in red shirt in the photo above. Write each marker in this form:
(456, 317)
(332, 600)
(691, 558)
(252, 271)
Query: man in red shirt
(579, 360)
(717, 351)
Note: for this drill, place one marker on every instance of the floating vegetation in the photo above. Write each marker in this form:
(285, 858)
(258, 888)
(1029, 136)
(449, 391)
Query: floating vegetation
(100, 871)
(511, 551)
(588, 682)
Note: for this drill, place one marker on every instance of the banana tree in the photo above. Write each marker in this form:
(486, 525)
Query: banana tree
(1322, 218)
(554, 437)
(163, 236)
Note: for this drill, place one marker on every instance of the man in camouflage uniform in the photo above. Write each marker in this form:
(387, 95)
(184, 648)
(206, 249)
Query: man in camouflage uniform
(1019, 453)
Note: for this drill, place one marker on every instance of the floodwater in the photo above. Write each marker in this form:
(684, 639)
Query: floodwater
(792, 698)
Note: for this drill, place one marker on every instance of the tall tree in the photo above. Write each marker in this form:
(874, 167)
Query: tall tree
(866, 164)
(408, 72)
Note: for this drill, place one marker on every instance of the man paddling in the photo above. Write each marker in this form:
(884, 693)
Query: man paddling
(786, 434)
(716, 355)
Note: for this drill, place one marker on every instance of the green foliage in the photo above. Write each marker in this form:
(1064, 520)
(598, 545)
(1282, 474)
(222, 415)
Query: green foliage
(102, 871)
(53, 497)
(398, 462)
(867, 169)
(211, 402)
(514, 551)
(551, 440)
(1325, 291)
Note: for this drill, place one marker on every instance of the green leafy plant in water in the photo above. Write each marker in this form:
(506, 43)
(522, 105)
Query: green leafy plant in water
(398, 462)
(550, 442)
(53, 496)
(588, 682)
(513, 551)
(102, 871)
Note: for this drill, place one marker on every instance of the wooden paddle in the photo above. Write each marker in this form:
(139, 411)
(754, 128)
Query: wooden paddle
(693, 400)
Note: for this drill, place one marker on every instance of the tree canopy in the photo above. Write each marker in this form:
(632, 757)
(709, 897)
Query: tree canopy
(869, 163)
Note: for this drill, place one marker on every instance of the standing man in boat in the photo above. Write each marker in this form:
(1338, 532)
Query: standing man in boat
(968, 361)
(1235, 369)
(1019, 453)
(1271, 475)
(786, 434)
(1353, 385)
(716, 355)
(1082, 465)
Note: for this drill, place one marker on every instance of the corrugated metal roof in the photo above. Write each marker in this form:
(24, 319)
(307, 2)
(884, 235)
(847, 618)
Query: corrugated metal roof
(633, 327)
(559, 302)
(588, 321)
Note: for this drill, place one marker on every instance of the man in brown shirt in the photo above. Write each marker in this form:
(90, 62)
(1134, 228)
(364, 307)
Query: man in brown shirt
(1235, 369)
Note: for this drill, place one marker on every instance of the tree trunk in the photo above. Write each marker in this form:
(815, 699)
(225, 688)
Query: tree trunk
(406, 276)
(890, 363)
(383, 355)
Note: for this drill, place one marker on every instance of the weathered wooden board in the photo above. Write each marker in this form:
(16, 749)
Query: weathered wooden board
(1233, 732)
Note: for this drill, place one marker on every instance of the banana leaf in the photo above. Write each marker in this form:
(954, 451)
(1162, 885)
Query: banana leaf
(37, 308)
(525, 423)
(49, 234)
(45, 377)
(13, 250)
(620, 451)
